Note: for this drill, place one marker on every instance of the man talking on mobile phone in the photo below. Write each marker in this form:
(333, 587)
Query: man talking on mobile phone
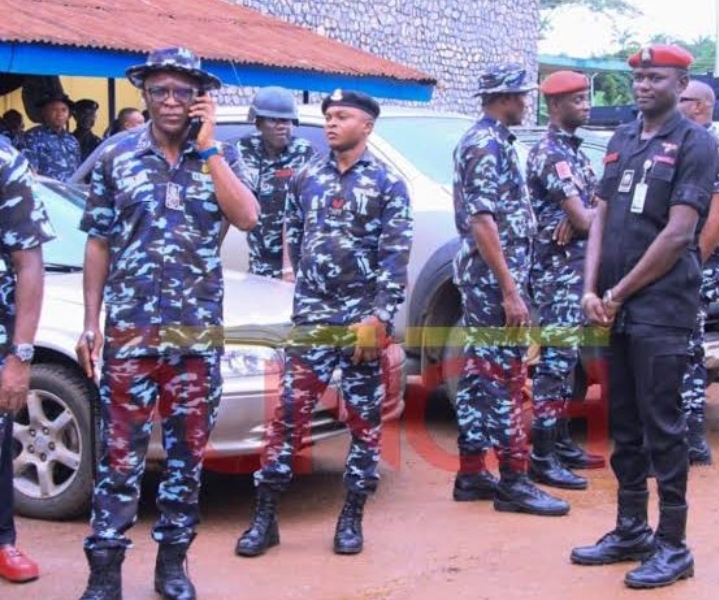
(157, 205)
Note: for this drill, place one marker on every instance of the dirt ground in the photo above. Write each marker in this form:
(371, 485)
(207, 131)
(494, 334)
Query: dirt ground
(419, 544)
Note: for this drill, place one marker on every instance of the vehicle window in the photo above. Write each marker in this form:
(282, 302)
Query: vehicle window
(427, 142)
(64, 207)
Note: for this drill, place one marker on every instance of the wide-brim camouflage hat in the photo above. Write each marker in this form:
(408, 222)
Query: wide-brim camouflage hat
(504, 79)
(180, 60)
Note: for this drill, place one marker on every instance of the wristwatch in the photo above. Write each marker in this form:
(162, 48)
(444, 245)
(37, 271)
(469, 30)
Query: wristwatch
(383, 315)
(608, 298)
(24, 352)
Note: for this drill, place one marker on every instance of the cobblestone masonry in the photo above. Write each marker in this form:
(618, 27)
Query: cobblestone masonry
(449, 39)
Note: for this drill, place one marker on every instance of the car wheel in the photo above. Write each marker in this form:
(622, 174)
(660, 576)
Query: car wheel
(453, 361)
(53, 445)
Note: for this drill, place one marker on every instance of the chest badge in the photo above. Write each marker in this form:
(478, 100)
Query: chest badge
(626, 182)
(173, 196)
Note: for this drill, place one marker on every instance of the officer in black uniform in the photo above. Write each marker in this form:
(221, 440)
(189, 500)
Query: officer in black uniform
(642, 258)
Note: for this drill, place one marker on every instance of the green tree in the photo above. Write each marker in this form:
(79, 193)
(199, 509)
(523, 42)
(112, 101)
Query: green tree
(619, 7)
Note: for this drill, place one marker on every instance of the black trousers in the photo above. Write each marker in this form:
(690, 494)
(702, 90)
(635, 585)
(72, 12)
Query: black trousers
(646, 366)
(7, 524)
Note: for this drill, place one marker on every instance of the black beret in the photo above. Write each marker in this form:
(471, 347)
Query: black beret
(352, 99)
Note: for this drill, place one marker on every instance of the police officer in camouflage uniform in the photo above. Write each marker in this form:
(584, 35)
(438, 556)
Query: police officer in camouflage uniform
(156, 208)
(51, 149)
(561, 187)
(642, 279)
(496, 225)
(272, 156)
(24, 227)
(349, 232)
(697, 103)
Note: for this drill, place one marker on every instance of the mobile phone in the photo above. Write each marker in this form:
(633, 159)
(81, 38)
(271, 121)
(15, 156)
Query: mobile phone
(195, 123)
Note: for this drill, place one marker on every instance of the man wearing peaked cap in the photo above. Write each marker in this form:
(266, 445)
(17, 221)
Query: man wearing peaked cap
(349, 231)
(642, 280)
(159, 198)
(496, 226)
(561, 185)
(49, 147)
(85, 113)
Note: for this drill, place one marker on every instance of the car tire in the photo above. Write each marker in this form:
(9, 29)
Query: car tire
(54, 445)
(453, 361)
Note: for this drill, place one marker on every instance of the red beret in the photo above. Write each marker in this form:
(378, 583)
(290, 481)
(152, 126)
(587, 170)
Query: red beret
(564, 82)
(661, 55)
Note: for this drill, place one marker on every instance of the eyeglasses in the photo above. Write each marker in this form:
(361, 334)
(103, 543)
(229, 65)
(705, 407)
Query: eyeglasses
(689, 99)
(184, 95)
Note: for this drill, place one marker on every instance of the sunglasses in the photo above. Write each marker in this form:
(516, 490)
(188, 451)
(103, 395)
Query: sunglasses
(184, 95)
(689, 99)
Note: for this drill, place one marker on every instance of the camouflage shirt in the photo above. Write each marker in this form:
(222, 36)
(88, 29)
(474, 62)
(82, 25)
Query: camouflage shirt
(50, 153)
(349, 237)
(558, 169)
(270, 177)
(23, 225)
(164, 289)
(488, 179)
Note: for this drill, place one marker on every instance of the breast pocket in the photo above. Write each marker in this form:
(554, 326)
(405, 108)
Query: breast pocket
(659, 190)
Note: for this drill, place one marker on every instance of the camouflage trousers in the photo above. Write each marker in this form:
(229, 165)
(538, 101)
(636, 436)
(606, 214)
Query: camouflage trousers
(266, 265)
(309, 366)
(489, 397)
(185, 392)
(694, 383)
(557, 294)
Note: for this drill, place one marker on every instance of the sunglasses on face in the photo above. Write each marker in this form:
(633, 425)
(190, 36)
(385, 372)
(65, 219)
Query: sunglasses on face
(184, 95)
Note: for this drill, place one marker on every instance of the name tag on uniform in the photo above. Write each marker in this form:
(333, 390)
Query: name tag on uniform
(640, 195)
(626, 183)
(173, 196)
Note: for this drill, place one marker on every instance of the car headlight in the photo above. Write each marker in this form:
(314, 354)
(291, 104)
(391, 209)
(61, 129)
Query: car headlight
(249, 361)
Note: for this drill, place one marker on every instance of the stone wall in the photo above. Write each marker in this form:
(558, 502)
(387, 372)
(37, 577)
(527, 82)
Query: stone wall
(448, 39)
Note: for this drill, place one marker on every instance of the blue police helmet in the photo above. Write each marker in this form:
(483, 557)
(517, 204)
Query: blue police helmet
(273, 102)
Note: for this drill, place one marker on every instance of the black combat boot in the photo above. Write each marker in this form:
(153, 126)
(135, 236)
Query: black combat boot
(671, 560)
(263, 532)
(545, 467)
(171, 579)
(105, 582)
(516, 493)
(699, 451)
(348, 533)
(632, 539)
(570, 453)
(473, 481)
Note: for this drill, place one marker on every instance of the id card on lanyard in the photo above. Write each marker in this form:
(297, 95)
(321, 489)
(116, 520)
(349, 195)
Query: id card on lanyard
(640, 190)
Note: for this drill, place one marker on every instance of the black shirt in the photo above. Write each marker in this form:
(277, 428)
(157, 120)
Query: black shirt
(678, 166)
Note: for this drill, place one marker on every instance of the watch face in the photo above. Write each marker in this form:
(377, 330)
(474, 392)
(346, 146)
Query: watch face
(24, 352)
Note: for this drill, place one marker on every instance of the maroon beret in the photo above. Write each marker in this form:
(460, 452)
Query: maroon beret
(661, 55)
(564, 82)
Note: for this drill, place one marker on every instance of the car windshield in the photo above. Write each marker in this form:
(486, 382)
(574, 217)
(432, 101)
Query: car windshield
(427, 142)
(64, 205)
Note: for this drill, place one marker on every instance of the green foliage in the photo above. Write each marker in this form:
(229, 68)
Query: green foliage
(620, 7)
